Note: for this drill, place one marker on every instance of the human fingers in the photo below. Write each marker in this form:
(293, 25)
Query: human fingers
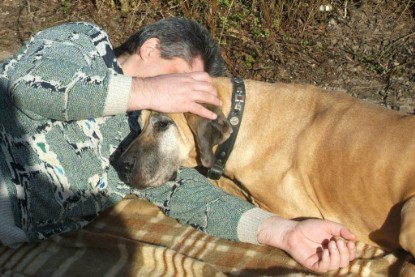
(335, 255)
(200, 110)
(204, 95)
(204, 78)
(201, 76)
(347, 234)
(339, 230)
(322, 263)
(351, 246)
(344, 253)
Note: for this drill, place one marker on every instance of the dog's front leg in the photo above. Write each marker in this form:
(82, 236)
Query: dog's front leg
(407, 232)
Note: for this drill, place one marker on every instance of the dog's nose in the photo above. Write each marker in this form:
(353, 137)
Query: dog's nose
(127, 164)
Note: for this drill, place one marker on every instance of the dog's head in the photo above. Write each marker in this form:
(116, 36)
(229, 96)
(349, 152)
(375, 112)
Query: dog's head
(168, 141)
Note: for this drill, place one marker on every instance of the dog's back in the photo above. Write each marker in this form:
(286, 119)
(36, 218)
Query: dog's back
(302, 151)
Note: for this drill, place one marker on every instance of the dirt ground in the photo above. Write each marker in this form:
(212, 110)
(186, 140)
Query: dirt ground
(366, 48)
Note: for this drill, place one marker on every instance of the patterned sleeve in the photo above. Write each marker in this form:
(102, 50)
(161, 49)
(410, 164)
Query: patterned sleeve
(67, 72)
(193, 200)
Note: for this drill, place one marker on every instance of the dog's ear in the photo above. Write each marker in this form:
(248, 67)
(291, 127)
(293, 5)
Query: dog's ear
(209, 133)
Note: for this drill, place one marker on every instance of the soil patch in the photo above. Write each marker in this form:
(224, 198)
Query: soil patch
(366, 48)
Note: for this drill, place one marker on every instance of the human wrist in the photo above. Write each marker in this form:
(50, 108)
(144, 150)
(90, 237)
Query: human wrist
(249, 223)
(118, 95)
(275, 231)
(140, 95)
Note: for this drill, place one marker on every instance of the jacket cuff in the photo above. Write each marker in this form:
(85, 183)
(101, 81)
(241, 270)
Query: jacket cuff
(119, 91)
(249, 223)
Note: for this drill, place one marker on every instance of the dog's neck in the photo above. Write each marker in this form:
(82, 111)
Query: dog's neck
(235, 114)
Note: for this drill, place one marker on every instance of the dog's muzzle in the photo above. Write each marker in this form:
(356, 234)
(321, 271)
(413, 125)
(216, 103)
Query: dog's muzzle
(151, 159)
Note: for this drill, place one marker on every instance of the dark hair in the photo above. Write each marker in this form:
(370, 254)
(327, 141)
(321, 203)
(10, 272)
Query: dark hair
(179, 37)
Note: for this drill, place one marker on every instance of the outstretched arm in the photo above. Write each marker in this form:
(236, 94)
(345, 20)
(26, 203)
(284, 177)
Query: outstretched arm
(193, 200)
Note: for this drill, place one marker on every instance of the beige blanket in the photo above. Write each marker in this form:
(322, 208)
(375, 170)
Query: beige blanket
(135, 239)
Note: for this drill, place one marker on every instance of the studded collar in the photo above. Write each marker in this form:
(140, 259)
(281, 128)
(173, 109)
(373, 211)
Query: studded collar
(235, 118)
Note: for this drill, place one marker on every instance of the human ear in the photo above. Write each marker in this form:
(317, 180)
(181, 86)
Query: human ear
(150, 48)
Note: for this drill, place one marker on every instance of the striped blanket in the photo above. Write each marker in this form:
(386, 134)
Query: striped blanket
(134, 238)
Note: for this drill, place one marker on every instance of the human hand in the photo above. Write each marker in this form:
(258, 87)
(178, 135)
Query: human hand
(171, 93)
(314, 243)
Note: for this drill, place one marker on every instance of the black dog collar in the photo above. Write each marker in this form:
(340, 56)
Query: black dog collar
(235, 118)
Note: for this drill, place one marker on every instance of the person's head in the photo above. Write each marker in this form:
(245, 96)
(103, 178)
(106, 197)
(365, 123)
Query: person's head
(178, 38)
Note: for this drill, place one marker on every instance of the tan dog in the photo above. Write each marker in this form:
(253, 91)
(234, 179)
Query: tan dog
(300, 152)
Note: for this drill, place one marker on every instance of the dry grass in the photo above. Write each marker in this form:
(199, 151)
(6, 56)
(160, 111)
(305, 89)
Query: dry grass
(365, 47)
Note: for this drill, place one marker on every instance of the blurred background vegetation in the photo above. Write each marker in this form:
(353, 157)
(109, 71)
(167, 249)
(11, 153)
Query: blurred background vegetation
(366, 48)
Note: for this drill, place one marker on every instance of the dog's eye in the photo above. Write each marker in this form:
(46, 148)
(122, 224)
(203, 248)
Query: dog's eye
(162, 125)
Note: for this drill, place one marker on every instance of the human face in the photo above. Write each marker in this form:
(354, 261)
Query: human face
(147, 62)
(159, 66)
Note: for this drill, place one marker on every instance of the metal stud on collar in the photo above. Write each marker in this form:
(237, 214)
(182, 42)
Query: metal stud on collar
(235, 118)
